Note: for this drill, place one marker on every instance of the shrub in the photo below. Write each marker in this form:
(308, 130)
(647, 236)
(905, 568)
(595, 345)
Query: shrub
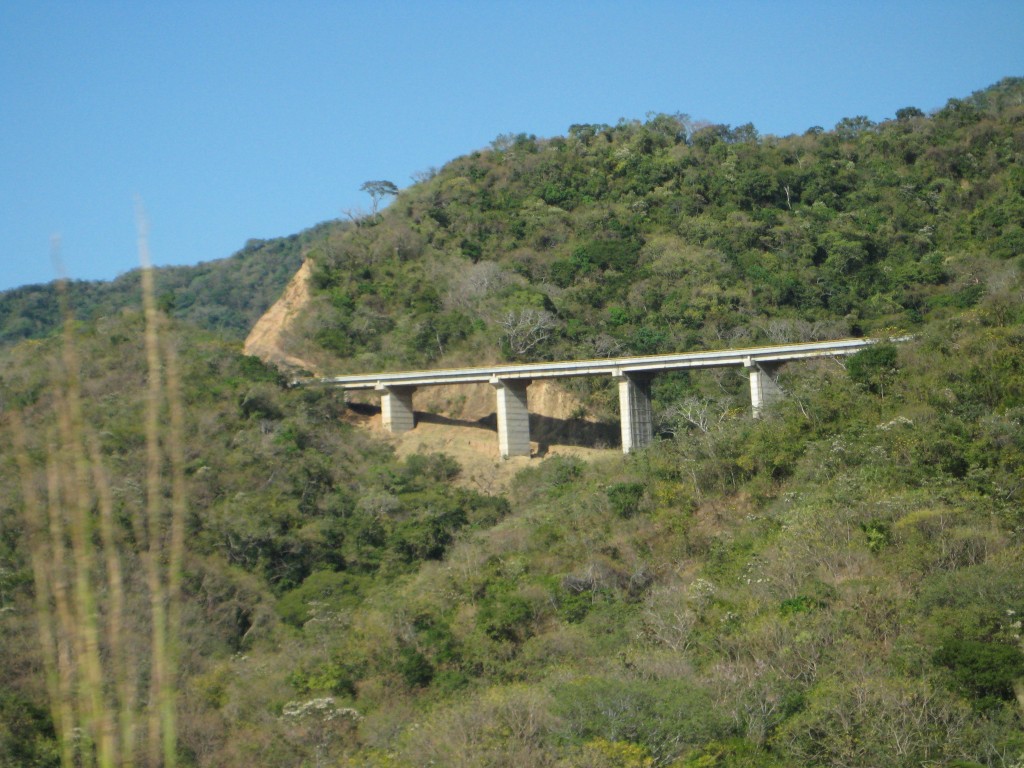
(26, 734)
(428, 536)
(734, 753)
(505, 616)
(662, 716)
(987, 671)
(853, 722)
(625, 498)
(873, 367)
(415, 668)
(320, 588)
(261, 402)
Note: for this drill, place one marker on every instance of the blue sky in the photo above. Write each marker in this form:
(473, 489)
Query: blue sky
(237, 120)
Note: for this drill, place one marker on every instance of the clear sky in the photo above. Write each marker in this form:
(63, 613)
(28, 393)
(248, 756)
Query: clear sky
(236, 120)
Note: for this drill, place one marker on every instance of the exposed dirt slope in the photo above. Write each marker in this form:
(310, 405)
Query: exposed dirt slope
(265, 340)
(461, 422)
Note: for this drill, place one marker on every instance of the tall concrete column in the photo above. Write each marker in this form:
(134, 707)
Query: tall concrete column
(513, 417)
(635, 410)
(396, 408)
(764, 385)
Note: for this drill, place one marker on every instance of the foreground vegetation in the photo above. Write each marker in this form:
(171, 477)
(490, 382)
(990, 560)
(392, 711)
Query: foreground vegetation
(835, 584)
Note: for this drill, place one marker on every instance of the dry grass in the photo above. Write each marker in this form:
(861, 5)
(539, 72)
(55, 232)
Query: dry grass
(112, 700)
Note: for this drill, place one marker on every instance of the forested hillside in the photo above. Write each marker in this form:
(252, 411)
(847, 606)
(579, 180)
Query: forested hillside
(227, 295)
(667, 235)
(837, 583)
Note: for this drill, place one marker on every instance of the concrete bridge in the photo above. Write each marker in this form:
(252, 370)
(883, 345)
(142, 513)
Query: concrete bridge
(633, 375)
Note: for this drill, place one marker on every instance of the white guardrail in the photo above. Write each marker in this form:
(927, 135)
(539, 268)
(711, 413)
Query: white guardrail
(610, 366)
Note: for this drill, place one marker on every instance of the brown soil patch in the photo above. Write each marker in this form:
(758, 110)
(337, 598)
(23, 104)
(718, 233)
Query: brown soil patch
(461, 422)
(265, 340)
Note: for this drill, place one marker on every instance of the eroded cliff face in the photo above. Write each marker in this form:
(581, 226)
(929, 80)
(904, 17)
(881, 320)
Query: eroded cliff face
(266, 340)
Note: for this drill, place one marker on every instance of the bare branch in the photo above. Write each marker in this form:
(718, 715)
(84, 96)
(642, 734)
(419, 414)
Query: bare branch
(526, 328)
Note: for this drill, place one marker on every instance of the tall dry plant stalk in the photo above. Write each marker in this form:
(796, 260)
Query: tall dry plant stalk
(94, 674)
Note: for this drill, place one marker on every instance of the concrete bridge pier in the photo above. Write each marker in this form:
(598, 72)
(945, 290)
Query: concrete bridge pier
(635, 410)
(513, 417)
(764, 385)
(633, 375)
(396, 408)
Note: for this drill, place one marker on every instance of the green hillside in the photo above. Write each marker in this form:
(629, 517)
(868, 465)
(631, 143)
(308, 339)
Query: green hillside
(837, 583)
(667, 235)
(227, 295)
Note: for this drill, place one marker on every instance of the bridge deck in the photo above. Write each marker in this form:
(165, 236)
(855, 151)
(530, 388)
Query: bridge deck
(767, 355)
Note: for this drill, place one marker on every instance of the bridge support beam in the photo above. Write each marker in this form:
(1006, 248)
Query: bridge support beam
(396, 408)
(764, 385)
(635, 410)
(513, 417)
